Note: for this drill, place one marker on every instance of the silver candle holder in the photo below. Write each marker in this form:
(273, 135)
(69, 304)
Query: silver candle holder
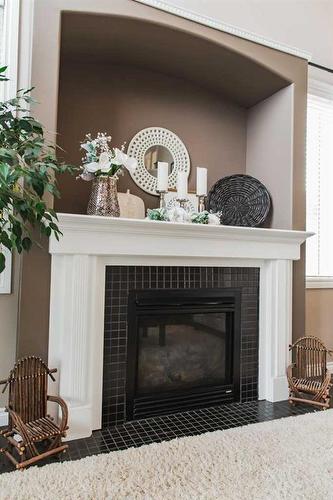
(201, 202)
(162, 198)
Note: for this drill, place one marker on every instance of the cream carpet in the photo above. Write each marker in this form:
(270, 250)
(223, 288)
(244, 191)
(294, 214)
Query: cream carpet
(291, 458)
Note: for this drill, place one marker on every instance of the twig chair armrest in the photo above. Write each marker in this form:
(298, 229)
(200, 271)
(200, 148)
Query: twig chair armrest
(64, 411)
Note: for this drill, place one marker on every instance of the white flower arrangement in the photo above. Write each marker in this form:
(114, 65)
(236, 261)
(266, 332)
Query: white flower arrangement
(206, 217)
(178, 214)
(101, 159)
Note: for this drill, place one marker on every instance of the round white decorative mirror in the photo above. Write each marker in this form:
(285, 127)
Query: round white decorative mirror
(152, 145)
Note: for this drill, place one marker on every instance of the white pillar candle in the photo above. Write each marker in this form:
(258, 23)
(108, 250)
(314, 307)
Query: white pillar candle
(162, 176)
(201, 181)
(182, 186)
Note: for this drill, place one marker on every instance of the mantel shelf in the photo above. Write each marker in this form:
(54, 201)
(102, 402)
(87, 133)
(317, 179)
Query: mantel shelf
(94, 235)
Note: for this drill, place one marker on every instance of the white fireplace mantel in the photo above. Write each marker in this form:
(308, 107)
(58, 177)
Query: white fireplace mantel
(90, 243)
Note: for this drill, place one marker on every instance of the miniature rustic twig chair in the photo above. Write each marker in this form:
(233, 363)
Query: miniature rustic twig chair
(30, 427)
(308, 378)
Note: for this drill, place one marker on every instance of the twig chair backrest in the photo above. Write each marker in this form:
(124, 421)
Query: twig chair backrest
(28, 388)
(310, 358)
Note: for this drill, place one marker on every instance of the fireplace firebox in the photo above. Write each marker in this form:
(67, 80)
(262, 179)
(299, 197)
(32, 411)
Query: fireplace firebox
(183, 350)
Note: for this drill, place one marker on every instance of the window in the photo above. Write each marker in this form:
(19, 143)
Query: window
(319, 187)
(2, 8)
(9, 33)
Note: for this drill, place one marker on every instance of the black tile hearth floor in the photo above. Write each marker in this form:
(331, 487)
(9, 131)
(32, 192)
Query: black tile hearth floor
(164, 428)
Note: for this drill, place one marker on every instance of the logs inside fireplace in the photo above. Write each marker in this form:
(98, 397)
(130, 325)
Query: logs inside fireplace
(183, 350)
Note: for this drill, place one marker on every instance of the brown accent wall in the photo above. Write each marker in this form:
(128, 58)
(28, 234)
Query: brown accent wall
(8, 326)
(33, 323)
(124, 101)
(319, 314)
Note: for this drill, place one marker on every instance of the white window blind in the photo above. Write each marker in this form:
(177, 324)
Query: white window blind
(319, 186)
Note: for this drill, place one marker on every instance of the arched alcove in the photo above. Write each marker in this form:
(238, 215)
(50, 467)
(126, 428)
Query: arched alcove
(120, 74)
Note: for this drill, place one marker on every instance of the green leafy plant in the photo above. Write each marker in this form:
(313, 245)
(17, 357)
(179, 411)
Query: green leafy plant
(206, 217)
(157, 214)
(28, 169)
(200, 217)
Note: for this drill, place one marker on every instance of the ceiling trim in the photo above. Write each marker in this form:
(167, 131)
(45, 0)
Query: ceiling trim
(225, 27)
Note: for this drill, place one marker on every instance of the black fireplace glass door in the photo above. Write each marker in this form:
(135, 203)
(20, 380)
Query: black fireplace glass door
(181, 351)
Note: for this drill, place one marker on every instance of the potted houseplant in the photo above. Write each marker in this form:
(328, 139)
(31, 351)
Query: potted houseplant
(28, 169)
(103, 165)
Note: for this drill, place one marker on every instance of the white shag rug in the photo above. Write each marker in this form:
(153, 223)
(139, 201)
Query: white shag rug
(291, 458)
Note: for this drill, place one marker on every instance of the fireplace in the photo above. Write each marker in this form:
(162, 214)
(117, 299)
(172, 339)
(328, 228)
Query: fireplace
(100, 260)
(183, 350)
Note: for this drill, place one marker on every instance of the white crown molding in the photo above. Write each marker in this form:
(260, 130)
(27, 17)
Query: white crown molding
(225, 27)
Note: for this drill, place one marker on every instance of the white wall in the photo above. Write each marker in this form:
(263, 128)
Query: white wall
(305, 24)
(269, 151)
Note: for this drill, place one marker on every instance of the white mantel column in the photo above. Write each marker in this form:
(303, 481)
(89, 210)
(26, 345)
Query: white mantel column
(75, 345)
(275, 328)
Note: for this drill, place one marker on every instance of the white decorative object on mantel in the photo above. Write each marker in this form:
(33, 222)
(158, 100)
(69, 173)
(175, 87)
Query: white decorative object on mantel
(182, 187)
(162, 176)
(157, 136)
(91, 243)
(178, 214)
(131, 206)
(6, 275)
(201, 181)
(191, 205)
(225, 27)
(213, 219)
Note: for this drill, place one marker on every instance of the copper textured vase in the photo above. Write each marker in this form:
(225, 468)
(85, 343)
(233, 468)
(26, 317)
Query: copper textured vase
(104, 197)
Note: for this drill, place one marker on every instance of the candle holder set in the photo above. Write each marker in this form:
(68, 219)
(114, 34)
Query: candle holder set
(182, 186)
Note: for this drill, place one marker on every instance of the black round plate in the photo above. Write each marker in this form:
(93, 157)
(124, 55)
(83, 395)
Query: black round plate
(241, 199)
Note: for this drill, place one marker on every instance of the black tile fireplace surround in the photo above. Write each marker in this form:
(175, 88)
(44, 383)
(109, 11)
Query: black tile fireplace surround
(142, 306)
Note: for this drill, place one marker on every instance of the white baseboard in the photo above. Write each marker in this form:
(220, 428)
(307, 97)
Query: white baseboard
(3, 417)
